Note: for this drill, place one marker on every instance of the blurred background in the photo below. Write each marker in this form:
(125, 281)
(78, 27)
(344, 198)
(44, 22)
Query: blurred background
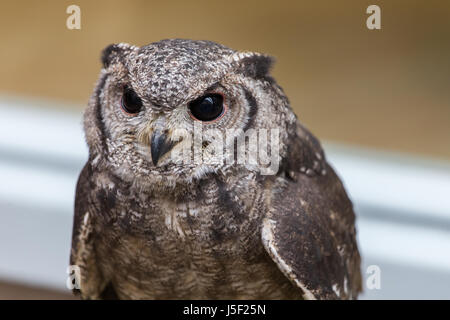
(379, 99)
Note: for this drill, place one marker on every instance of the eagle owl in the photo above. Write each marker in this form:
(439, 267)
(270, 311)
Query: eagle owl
(159, 213)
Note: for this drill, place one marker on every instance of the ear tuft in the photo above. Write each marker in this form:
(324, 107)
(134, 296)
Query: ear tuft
(256, 65)
(114, 52)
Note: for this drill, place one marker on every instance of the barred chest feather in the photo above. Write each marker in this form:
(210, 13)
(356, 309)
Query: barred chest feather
(204, 245)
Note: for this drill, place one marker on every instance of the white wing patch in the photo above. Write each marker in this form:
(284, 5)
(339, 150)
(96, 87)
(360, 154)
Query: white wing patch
(335, 288)
(269, 244)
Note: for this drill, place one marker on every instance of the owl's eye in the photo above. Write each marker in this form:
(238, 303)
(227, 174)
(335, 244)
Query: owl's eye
(208, 107)
(131, 103)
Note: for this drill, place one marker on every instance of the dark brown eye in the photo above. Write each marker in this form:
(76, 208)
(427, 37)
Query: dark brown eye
(131, 103)
(207, 108)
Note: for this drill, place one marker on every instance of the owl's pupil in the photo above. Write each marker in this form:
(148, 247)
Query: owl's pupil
(131, 103)
(207, 108)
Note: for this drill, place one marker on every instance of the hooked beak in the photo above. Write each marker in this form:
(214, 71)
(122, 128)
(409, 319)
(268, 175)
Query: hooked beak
(160, 145)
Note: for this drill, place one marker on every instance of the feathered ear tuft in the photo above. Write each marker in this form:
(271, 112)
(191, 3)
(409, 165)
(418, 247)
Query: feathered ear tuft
(115, 52)
(254, 65)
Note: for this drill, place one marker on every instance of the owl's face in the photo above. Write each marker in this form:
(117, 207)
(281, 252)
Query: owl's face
(174, 111)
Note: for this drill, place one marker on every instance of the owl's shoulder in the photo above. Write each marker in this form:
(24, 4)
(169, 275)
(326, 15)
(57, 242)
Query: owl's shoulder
(309, 229)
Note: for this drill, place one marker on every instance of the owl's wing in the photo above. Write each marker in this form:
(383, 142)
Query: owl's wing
(309, 230)
(92, 285)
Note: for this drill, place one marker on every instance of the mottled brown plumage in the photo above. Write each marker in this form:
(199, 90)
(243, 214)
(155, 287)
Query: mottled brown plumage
(167, 228)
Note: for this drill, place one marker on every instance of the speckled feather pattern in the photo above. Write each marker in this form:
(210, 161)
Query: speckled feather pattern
(180, 230)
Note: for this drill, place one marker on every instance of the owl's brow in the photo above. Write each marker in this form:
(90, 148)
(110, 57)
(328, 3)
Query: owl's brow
(213, 86)
(152, 102)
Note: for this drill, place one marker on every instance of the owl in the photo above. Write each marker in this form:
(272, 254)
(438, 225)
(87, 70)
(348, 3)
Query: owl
(201, 183)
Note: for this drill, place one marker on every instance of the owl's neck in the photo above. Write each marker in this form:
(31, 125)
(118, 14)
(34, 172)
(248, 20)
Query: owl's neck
(239, 183)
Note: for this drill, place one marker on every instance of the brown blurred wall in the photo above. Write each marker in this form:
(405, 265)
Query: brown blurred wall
(387, 88)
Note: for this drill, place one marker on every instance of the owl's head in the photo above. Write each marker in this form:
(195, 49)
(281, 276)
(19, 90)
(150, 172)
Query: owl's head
(176, 111)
